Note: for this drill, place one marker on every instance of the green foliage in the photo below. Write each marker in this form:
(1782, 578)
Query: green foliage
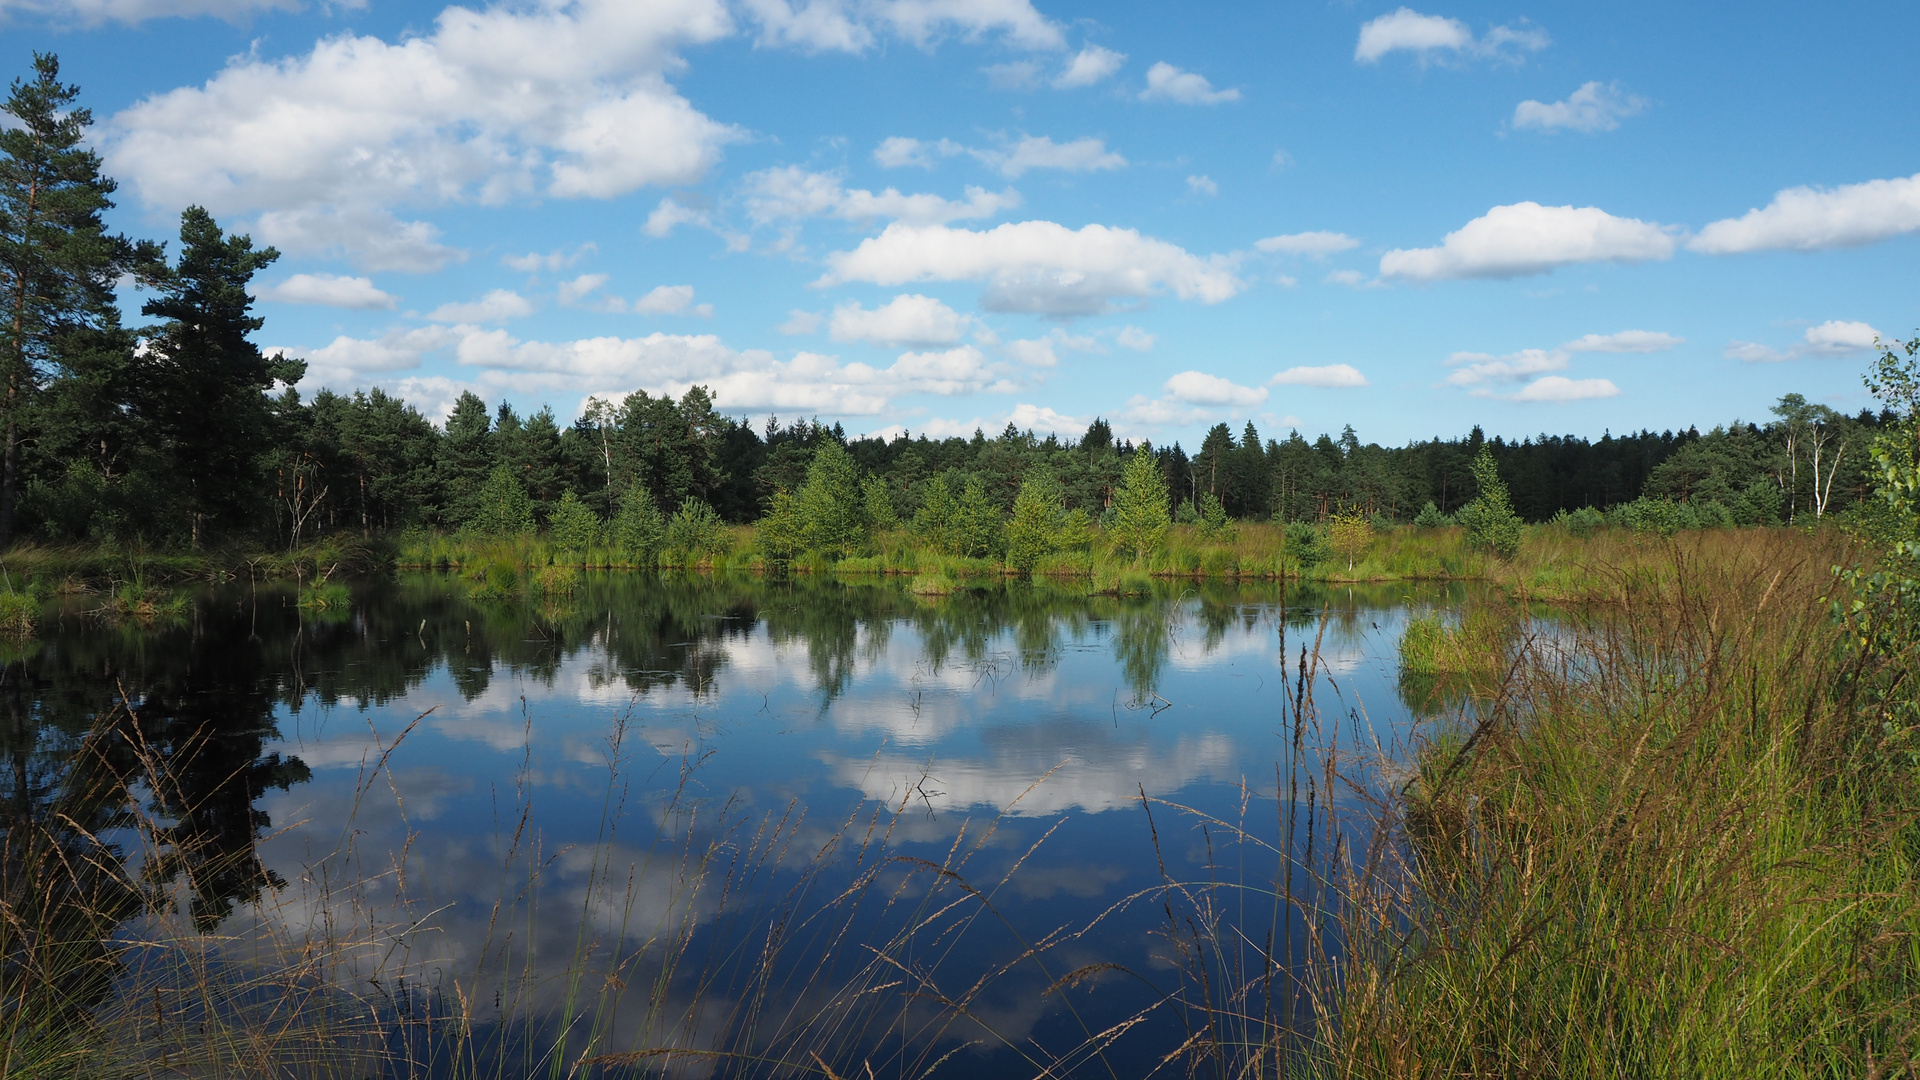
(497, 581)
(934, 520)
(639, 530)
(19, 612)
(779, 534)
(831, 505)
(1141, 517)
(574, 528)
(1649, 515)
(1489, 519)
(554, 582)
(326, 596)
(504, 508)
(58, 265)
(878, 501)
(1350, 534)
(976, 525)
(1212, 522)
(696, 532)
(1305, 546)
(1038, 527)
(1430, 517)
(1580, 523)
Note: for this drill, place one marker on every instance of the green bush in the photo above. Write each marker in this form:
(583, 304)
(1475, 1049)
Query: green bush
(1649, 515)
(1489, 519)
(933, 522)
(976, 527)
(505, 509)
(779, 535)
(1141, 517)
(831, 506)
(639, 529)
(572, 525)
(696, 533)
(1305, 546)
(1038, 527)
(878, 501)
(1213, 523)
(1581, 523)
(1430, 517)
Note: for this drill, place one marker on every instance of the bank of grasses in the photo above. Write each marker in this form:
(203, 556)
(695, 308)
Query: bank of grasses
(1678, 836)
(1552, 564)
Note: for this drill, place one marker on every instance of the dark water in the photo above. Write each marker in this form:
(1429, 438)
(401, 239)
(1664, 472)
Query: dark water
(706, 765)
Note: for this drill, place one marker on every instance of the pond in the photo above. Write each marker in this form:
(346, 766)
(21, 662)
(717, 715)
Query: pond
(777, 827)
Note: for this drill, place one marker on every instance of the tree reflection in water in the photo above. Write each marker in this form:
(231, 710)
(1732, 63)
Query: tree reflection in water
(140, 759)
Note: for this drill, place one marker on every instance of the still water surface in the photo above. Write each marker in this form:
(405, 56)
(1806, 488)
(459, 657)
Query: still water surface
(494, 744)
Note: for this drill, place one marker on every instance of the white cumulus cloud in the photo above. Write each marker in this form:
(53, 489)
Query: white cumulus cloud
(95, 12)
(907, 319)
(670, 300)
(328, 290)
(1316, 244)
(497, 306)
(1132, 337)
(851, 26)
(570, 100)
(791, 192)
(1809, 219)
(1554, 388)
(1202, 185)
(1626, 341)
(1596, 106)
(1199, 388)
(1038, 266)
(1527, 238)
(1041, 152)
(1168, 83)
(671, 213)
(1090, 65)
(1832, 338)
(1429, 36)
(1326, 375)
(1474, 369)
(572, 292)
(1043, 351)
(898, 151)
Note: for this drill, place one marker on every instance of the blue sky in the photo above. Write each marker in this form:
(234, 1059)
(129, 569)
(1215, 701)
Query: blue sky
(942, 214)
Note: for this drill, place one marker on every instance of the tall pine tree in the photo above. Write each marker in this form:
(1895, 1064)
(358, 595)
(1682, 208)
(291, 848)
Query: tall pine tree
(204, 382)
(58, 264)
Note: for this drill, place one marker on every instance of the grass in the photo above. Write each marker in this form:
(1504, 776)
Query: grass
(1676, 841)
(1554, 564)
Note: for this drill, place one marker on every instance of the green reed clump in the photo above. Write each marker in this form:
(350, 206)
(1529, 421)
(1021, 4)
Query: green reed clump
(326, 596)
(1674, 843)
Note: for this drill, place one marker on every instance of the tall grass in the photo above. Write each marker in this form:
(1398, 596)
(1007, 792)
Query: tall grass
(1675, 842)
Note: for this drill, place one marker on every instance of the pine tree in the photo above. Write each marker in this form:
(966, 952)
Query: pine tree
(1038, 526)
(1141, 518)
(466, 457)
(1489, 519)
(203, 381)
(832, 511)
(58, 264)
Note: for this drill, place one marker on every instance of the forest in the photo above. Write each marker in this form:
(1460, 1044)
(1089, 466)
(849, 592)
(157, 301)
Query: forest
(104, 422)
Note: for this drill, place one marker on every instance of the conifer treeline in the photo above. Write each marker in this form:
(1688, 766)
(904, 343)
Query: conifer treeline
(174, 431)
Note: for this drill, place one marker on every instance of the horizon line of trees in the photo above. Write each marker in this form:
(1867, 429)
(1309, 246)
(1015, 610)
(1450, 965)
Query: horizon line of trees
(181, 431)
